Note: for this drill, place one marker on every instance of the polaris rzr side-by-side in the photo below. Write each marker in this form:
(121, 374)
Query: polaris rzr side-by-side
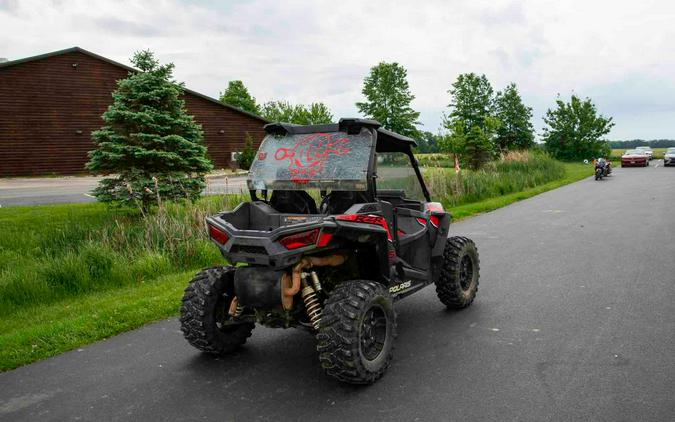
(340, 226)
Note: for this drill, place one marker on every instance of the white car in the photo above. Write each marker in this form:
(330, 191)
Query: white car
(669, 157)
(646, 150)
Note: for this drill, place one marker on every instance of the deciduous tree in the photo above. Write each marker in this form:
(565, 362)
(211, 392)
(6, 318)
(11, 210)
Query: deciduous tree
(283, 111)
(575, 129)
(515, 130)
(388, 99)
(237, 95)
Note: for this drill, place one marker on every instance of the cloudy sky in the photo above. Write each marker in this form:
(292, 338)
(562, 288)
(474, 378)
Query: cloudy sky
(619, 53)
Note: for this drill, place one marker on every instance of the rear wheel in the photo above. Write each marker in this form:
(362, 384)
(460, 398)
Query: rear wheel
(356, 336)
(457, 284)
(204, 319)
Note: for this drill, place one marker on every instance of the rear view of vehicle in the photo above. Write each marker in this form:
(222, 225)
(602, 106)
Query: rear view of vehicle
(634, 158)
(669, 157)
(339, 227)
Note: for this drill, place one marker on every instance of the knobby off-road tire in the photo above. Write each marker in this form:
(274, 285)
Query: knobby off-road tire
(204, 312)
(356, 336)
(457, 284)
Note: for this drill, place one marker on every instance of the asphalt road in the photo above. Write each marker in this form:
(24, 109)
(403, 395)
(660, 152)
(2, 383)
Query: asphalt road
(61, 190)
(574, 320)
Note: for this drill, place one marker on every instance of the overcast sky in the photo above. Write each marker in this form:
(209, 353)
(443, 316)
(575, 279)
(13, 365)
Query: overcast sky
(619, 53)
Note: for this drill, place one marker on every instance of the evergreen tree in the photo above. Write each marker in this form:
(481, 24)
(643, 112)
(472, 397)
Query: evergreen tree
(148, 140)
(515, 130)
(388, 99)
(237, 95)
(574, 130)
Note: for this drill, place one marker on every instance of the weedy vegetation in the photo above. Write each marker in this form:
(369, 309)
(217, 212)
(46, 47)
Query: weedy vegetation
(73, 274)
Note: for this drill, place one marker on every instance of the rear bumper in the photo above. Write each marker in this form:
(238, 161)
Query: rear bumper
(633, 163)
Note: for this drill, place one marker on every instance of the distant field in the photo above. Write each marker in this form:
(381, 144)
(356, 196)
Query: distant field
(658, 152)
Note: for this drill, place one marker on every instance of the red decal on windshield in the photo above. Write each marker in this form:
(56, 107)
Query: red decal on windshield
(308, 155)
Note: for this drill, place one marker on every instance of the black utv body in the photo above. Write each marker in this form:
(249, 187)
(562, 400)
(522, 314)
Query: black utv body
(340, 225)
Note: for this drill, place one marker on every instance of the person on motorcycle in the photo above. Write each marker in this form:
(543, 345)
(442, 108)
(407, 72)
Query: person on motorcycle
(602, 168)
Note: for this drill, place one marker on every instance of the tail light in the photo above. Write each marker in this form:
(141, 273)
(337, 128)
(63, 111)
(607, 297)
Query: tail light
(367, 219)
(299, 240)
(218, 235)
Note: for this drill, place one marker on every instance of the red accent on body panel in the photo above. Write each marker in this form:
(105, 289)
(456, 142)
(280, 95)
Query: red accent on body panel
(434, 220)
(367, 219)
(400, 232)
(422, 221)
(324, 239)
(308, 155)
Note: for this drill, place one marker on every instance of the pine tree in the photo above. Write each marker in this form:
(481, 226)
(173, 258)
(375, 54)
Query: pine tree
(388, 99)
(148, 141)
(237, 95)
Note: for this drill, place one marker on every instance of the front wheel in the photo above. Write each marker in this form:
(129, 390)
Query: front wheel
(457, 283)
(356, 335)
(204, 317)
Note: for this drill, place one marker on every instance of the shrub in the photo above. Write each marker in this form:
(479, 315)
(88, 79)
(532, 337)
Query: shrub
(247, 155)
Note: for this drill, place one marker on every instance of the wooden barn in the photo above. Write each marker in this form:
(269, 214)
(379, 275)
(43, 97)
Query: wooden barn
(50, 104)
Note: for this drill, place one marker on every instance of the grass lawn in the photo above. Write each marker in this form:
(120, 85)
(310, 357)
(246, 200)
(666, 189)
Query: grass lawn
(74, 274)
(38, 332)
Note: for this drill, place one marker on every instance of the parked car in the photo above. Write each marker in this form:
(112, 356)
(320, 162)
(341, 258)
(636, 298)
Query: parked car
(646, 150)
(669, 157)
(634, 158)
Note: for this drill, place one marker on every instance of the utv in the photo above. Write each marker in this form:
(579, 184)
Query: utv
(339, 227)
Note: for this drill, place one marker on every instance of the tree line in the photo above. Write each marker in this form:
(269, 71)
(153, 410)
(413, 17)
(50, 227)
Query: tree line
(478, 125)
(654, 143)
(151, 148)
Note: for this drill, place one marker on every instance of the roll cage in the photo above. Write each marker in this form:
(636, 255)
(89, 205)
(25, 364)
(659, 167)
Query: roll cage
(385, 141)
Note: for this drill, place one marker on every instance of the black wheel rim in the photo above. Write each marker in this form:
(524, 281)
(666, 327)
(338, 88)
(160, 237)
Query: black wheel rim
(373, 333)
(466, 272)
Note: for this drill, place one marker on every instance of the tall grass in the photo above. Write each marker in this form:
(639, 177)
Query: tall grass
(51, 252)
(48, 253)
(514, 172)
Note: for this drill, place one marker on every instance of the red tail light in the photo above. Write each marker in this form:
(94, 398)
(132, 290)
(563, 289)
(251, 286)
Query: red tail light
(366, 218)
(324, 239)
(299, 240)
(218, 235)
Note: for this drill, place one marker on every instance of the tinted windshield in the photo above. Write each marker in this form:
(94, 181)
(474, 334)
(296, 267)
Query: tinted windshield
(333, 160)
(634, 152)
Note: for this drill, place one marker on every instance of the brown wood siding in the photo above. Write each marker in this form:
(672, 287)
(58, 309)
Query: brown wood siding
(48, 109)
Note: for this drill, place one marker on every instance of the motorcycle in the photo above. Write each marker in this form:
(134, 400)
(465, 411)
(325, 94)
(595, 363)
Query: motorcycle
(603, 168)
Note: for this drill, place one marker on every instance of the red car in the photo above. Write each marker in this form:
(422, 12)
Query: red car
(634, 158)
